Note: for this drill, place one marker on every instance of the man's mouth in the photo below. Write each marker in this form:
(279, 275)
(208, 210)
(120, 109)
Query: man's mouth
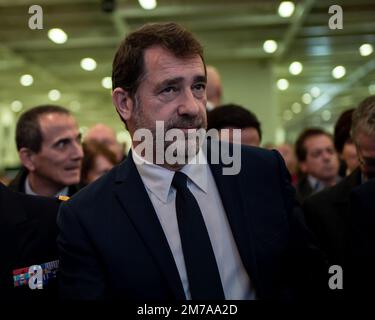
(72, 168)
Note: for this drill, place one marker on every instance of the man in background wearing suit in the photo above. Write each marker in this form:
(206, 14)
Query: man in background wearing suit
(151, 230)
(318, 162)
(362, 241)
(49, 146)
(28, 249)
(329, 213)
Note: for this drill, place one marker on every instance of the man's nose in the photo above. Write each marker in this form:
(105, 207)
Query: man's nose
(328, 156)
(77, 151)
(189, 104)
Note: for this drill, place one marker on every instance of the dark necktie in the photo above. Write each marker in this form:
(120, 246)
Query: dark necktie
(201, 267)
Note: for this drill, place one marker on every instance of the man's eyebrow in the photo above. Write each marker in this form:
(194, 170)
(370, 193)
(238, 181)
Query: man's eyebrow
(67, 139)
(200, 79)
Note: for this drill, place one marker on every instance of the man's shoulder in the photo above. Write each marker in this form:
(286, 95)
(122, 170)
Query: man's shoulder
(96, 191)
(257, 153)
(18, 183)
(337, 194)
(261, 161)
(34, 205)
(363, 195)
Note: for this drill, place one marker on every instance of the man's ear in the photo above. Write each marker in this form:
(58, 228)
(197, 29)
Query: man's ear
(27, 158)
(123, 102)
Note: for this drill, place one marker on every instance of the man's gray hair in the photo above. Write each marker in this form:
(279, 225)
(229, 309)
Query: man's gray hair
(363, 119)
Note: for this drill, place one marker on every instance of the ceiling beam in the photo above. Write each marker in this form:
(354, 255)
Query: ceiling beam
(299, 17)
(354, 77)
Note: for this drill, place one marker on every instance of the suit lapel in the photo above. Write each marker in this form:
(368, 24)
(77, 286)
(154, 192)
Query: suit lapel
(133, 197)
(233, 202)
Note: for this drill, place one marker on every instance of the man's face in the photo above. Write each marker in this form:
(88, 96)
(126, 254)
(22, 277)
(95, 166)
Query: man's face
(59, 160)
(101, 166)
(321, 159)
(106, 136)
(366, 154)
(173, 91)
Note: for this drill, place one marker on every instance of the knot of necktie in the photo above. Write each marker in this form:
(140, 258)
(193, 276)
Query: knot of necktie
(179, 181)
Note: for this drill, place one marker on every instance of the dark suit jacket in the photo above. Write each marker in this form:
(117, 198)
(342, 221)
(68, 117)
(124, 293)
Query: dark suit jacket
(112, 244)
(18, 183)
(327, 215)
(303, 189)
(362, 240)
(28, 234)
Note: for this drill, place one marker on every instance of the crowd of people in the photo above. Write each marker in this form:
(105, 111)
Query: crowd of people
(82, 220)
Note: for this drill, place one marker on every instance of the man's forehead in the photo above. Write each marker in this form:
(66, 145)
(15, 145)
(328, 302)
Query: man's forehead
(56, 123)
(158, 57)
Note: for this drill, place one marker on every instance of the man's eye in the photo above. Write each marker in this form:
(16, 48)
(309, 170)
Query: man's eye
(200, 86)
(61, 144)
(169, 90)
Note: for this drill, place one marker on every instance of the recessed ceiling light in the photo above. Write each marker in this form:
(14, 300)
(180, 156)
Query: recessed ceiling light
(88, 64)
(296, 107)
(326, 115)
(286, 9)
(16, 106)
(338, 72)
(26, 80)
(306, 98)
(270, 46)
(366, 49)
(57, 35)
(371, 88)
(288, 115)
(54, 95)
(107, 82)
(315, 92)
(295, 67)
(148, 4)
(282, 84)
(7, 118)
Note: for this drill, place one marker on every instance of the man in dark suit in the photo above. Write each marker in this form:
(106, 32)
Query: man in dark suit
(28, 250)
(328, 213)
(318, 162)
(49, 147)
(362, 241)
(154, 229)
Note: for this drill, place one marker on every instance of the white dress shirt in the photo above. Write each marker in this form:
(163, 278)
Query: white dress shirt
(158, 180)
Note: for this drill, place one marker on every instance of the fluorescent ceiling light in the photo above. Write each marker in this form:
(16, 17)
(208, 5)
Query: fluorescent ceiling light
(295, 68)
(26, 80)
(282, 84)
(338, 72)
(107, 82)
(57, 35)
(286, 9)
(366, 49)
(88, 64)
(148, 4)
(270, 46)
(54, 95)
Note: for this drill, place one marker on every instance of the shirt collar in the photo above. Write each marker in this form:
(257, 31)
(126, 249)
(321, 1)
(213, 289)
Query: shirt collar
(318, 185)
(30, 191)
(158, 179)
